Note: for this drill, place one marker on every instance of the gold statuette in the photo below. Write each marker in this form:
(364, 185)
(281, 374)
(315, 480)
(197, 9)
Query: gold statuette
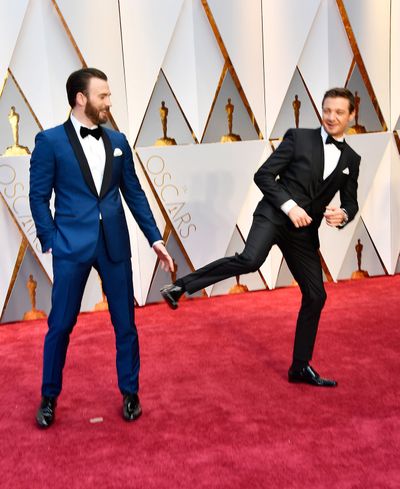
(238, 288)
(359, 273)
(230, 137)
(34, 313)
(165, 140)
(15, 149)
(296, 109)
(357, 128)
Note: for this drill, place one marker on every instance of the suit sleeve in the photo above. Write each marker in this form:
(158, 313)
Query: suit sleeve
(266, 176)
(136, 198)
(348, 193)
(42, 172)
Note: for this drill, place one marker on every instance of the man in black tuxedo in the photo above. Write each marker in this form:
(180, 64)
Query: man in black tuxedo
(298, 181)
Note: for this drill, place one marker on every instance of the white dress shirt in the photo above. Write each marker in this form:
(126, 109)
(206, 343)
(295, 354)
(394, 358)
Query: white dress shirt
(331, 159)
(94, 152)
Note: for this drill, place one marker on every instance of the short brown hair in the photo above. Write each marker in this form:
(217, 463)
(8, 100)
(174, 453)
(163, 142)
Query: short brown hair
(340, 92)
(78, 82)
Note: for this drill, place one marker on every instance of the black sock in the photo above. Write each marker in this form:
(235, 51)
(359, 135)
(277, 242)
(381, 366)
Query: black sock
(179, 283)
(298, 364)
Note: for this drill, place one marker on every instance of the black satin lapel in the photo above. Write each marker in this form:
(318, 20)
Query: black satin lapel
(108, 166)
(317, 162)
(80, 156)
(334, 177)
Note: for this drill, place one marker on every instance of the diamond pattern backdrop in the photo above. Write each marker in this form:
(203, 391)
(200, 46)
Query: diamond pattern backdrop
(266, 56)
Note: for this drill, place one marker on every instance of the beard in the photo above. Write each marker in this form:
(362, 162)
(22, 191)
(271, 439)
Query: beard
(95, 115)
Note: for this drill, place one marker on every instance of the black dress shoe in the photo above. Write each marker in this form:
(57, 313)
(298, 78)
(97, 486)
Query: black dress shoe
(131, 407)
(172, 294)
(308, 375)
(46, 412)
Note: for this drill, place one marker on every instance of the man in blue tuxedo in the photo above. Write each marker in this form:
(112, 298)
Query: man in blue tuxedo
(87, 166)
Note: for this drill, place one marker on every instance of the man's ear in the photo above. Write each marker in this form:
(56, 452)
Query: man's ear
(352, 116)
(80, 99)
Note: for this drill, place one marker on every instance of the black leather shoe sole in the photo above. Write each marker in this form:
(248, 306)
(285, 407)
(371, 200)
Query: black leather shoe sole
(317, 383)
(310, 377)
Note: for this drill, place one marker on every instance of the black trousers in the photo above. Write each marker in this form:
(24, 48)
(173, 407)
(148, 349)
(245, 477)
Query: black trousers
(298, 248)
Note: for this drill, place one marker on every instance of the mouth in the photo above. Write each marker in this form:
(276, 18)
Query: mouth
(330, 126)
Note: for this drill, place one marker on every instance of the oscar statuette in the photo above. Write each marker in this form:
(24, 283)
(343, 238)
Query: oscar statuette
(359, 274)
(33, 313)
(357, 128)
(296, 109)
(16, 149)
(230, 137)
(238, 288)
(165, 140)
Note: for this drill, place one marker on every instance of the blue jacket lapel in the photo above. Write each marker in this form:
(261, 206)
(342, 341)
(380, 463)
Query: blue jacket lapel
(80, 156)
(108, 166)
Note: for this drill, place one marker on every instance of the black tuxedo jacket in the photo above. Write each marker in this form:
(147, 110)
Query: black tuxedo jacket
(295, 171)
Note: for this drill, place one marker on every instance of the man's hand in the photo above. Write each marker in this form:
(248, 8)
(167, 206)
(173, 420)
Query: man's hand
(166, 261)
(334, 216)
(299, 217)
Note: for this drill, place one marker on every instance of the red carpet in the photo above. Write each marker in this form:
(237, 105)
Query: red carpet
(218, 410)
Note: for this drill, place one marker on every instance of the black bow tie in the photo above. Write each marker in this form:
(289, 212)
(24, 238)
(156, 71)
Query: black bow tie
(96, 133)
(338, 144)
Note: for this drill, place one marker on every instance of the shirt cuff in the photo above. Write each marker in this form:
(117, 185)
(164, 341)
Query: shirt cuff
(288, 206)
(158, 241)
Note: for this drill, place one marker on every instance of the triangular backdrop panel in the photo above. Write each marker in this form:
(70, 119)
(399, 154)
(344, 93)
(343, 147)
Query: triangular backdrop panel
(307, 115)
(104, 54)
(335, 242)
(19, 302)
(381, 211)
(147, 28)
(194, 47)
(218, 123)
(14, 186)
(240, 24)
(284, 277)
(201, 192)
(9, 253)
(28, 127)
(161, 278)
(327, 55)
(369, 258)
(177, 127)
(35, 63)
(395, 64)
(92, 294)
(12, 15)
(398, 265)
(253, 281)
(369, 21)
(143, 256)
(367, 114)
(271, 266)
(283, 47)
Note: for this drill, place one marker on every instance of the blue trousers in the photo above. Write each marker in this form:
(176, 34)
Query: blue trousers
(69, 284)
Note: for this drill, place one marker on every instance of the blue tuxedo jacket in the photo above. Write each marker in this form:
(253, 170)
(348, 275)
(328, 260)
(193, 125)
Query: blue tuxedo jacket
(58, 163)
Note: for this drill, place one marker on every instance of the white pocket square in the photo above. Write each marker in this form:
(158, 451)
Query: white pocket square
(346, 171)
(117, 152)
